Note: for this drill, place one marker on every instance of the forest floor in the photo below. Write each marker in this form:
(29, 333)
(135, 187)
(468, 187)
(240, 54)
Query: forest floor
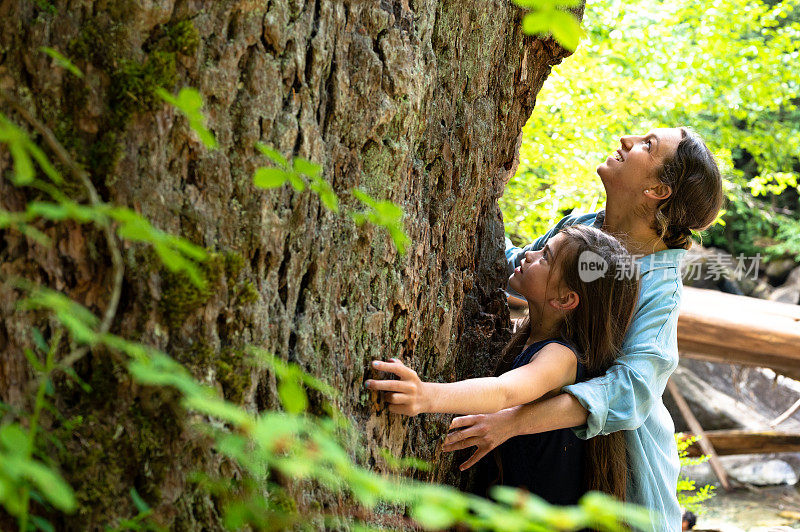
(745, 509)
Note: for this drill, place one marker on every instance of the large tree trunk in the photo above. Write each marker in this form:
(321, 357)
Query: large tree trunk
(419, 102)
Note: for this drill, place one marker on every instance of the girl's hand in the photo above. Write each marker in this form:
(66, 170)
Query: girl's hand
(405, 396)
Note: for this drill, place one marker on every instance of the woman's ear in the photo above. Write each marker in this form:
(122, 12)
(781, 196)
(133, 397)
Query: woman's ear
(566, 301)
(658, 192)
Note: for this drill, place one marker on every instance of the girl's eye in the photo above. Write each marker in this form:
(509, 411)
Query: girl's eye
(649, 144)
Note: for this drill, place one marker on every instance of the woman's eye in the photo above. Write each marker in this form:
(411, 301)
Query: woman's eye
(649, 144)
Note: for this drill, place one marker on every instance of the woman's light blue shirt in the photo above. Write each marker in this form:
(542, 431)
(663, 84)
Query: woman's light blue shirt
(628, 396)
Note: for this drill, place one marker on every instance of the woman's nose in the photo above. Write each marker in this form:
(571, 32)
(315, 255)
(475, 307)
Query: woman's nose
(626, 141)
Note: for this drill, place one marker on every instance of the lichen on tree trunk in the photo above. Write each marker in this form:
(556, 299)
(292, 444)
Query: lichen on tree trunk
(419, 102)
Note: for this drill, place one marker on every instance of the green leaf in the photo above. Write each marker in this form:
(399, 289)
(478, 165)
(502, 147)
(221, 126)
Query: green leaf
(389, 211)
(359, 218)
(189, 249)
(34, 362)
(70, 372)
(399, 238)
(44, 162)
(270, 177)
(326, 193)
(566, 29)
(50, 484)
(363, 197)
(138, 501)
(190, 102)
(308, 168)
(536, 23)
(41, 523)
(15, 440)
(38, 340)
(23, 167)
(75, 317)
(432, 515)
(273, 155)
(62, 61)
(219, 408)
(293, 397)
(297, 182)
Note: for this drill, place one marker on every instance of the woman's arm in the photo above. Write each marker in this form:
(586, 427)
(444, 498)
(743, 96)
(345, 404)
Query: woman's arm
(622, 399)
(553, 367)
(487, 431)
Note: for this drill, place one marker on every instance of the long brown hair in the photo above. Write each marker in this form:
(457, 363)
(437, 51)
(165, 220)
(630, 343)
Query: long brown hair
(696, 198)
(596, 327)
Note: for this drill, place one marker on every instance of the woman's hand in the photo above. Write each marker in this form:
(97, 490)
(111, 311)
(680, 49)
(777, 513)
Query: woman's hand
(484, 431)
(406, 396)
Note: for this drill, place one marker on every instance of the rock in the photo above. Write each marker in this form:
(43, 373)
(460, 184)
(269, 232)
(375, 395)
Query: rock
(759, 389)
(715, 269)
(778, 270)
(755, 469)
(765, 473)
(788, 292)
(714, 409)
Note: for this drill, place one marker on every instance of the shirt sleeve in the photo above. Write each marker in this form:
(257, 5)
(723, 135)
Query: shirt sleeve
(623, 398)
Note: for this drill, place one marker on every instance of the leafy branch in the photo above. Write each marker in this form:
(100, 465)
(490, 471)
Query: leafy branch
(548, 17)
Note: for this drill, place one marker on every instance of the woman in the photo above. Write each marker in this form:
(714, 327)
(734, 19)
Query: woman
(659, 187)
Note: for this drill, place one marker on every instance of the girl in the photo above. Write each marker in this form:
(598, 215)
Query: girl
(580, 300)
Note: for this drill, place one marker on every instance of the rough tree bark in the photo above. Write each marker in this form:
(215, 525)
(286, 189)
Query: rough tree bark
(417, 101)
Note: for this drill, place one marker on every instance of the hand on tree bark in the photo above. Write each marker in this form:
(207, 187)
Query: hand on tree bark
(484, 431)
(406, 396)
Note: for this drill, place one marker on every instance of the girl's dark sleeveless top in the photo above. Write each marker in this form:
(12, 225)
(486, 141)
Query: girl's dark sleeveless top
(550, 464)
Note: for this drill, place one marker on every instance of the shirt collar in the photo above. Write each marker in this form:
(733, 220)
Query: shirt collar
(667, 258)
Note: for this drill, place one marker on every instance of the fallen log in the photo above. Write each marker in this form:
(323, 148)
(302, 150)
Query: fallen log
(729, 442)
(733, 329)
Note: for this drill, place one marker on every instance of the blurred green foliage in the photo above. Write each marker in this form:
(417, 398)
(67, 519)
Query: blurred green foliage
(728, 70)
(690, 496)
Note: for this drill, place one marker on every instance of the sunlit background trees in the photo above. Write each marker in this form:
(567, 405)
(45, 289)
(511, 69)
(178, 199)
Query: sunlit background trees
(729, 70)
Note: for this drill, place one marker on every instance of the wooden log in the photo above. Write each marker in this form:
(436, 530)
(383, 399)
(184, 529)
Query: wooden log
(705, 445)
(743, 330)
(730, 442)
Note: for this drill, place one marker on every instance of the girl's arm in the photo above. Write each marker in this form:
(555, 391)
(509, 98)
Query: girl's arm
(553, 367)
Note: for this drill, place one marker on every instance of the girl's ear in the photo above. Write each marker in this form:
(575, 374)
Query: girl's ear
(567, 301)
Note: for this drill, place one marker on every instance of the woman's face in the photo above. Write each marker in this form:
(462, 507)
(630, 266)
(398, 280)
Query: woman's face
(537, 278)
(633, 168)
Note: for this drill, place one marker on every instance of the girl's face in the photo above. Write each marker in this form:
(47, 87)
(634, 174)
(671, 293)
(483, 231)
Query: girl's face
(633, 168)
(538, 278)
